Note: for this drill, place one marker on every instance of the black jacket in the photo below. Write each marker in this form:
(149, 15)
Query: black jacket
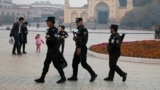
(82, 37)
(24, 34)
(62, 33)
(52, 41)
(15, 30)
(114, 44)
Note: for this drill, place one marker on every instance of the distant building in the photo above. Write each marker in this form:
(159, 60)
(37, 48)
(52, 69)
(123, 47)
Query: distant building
(98, 11)
(45, 8)
(5, 3)
(35, 12)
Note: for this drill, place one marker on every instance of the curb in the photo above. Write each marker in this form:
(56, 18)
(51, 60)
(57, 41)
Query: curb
(126, 59)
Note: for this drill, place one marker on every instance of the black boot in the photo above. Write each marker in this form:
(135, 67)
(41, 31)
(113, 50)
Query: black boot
(62, 80)
(40, 80)
(14, 53)
(24, 52)
(73, 78)
(108, 79)
(124, 77)
(93, 77)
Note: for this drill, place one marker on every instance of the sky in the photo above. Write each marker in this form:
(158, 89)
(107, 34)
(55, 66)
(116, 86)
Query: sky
(73, 3)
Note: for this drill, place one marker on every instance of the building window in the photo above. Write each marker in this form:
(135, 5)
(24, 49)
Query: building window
(18, 14)
(46, 9)
(3, 14)
(139, 3)
(13, 14)
(8, 14)
(28, 12)
(123, 3)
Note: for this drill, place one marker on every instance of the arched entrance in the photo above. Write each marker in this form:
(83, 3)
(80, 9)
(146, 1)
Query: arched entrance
(84, 15)
(102, 13)
(74, 16)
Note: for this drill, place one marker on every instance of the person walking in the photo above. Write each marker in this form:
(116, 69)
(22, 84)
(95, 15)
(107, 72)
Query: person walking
(80, 55)
(114, 48)
(52, 52)
(39, 41)
(24, 32)
(62, 36)
(16, 33)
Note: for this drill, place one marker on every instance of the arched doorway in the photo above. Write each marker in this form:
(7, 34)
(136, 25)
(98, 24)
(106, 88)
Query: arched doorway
(102, 13)
(84, 15)
(74, 16)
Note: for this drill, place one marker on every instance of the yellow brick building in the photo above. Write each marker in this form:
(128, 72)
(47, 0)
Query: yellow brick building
(99, 11)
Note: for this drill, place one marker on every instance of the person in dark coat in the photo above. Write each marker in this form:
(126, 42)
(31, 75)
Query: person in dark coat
(24, 32)
(114, 48)
(53, 53)
(80, 55)
(16, 33)
(156, 31)
(38, 25)
(62, 36)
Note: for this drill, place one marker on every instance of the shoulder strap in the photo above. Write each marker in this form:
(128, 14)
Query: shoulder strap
(122, 37)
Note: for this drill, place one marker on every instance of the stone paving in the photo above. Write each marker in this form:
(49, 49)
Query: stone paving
(19, 72)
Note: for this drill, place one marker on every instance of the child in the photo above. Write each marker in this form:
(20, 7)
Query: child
(39, 41)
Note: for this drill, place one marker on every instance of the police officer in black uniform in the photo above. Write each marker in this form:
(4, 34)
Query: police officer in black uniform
(114, 48)
(62, 35)
(80, 55)
(53, 52)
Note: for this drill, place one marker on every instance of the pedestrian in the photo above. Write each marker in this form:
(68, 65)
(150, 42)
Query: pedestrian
(52, 52)
(62, 36)
(80, 55)
(114, 48)
(38, 25)
(39, 41)
(16, 33)
(24, 32)
(156, 31)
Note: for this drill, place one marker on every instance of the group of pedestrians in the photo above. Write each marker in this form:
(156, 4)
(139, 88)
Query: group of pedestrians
(19, 32)
(55, 37)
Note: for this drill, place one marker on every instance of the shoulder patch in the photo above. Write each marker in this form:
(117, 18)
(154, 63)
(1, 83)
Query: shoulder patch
(85, 33)
(117, 41)
(56, 35)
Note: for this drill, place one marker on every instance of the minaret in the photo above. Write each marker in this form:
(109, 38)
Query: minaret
(91, 10)
(66, 6)
(129, 4)
(67, 3)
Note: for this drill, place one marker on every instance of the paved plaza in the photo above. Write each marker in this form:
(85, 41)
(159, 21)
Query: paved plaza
(19, 72)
